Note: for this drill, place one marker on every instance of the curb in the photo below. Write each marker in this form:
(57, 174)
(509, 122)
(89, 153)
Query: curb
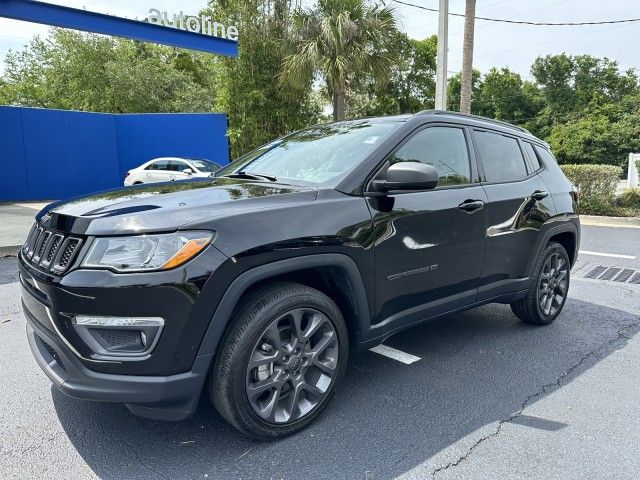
(9, 251)
(625, 222)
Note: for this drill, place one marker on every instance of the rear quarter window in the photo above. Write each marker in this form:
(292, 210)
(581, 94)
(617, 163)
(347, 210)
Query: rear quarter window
(533, 156)
(545, 154)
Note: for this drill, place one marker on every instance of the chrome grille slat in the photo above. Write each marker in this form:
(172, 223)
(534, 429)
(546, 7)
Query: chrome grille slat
(41, 246)
(30, 238)
(32, 245)
(50, 250)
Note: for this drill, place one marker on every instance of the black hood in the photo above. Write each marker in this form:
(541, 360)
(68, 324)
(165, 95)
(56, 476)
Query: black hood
(167, 206)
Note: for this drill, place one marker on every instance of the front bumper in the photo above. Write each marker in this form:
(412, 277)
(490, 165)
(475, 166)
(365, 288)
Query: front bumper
(165, 384)
(173, 397)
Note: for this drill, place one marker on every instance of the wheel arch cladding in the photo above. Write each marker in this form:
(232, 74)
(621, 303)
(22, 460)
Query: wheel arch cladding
(336, 275)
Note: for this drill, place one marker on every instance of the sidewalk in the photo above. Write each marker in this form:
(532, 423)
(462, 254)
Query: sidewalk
(15, 221)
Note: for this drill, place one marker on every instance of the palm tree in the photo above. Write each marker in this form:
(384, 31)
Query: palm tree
(467, 57)
(341, 41)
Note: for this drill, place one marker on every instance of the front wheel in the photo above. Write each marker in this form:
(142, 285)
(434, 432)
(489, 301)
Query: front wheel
(280, 362)
(549, 288)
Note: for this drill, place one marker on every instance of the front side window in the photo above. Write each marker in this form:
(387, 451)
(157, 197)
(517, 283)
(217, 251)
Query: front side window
(317, 154)
(501, 157)
(443, 147)
(176, 166)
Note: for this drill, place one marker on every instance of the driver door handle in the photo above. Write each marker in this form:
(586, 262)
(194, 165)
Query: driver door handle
(471, 205)
(539, 195)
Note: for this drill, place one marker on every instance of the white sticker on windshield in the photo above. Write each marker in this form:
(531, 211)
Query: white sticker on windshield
(372, 139)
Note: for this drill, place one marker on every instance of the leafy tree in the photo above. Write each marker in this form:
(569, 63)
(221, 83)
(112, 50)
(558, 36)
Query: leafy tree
(503, 95)
(411, 87)
(571, 83)
(341, 40)
(453, 91)
(78, 71)
(600, 134)
(259, 109)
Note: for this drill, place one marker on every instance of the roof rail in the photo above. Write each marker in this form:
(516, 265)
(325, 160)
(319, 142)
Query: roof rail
(474, 117)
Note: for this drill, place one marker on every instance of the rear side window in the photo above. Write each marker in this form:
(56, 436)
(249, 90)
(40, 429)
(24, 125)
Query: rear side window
(501, 157)
(443, 147)
(533, 157)
(163, 165)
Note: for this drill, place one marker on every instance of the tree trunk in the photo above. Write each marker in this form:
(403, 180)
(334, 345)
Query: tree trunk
(339, 104)
(467, 57)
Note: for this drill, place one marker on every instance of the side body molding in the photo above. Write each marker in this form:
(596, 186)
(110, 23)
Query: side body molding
(222, 315)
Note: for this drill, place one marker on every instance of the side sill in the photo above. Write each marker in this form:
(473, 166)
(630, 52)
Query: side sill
(504, 298)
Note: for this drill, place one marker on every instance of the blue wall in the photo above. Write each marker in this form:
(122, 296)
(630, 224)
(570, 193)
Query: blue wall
(56, 154)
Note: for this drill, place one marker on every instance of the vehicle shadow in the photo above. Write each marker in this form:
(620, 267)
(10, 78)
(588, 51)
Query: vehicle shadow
(386, 419)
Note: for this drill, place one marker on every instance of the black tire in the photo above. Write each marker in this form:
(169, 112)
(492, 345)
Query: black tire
(549, 287)
(249, 339)
(137, 183)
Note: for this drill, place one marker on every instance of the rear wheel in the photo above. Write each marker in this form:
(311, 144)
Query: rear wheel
(280, 362)
(548, 291)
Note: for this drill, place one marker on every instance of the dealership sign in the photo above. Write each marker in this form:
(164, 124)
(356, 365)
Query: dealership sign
(203, 24)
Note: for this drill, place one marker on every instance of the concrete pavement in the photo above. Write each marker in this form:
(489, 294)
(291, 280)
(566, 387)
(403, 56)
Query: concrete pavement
(15, 221)
(490, 397)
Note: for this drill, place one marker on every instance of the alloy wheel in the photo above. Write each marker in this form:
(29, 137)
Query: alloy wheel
(554, 283)
(292, 366)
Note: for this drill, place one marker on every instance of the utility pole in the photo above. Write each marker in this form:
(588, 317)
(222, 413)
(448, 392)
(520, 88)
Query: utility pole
(441, 68)
(466, 81)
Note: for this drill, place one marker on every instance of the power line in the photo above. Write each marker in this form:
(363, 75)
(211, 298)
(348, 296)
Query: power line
(524, 22)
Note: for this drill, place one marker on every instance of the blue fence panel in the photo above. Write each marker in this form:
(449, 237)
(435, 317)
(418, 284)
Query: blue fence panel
(13, 181)
(69, 153)
(56, 154)
(142, 137)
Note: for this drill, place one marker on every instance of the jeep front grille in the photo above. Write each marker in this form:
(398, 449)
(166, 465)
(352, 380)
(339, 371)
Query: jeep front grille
(49, 250)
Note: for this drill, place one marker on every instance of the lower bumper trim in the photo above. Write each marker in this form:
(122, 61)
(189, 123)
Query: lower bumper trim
(173, 397)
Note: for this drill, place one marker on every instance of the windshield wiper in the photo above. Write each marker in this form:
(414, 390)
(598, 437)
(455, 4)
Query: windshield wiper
(256, 176)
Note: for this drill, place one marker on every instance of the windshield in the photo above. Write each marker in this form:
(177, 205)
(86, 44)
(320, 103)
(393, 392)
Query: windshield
(205, 165)
(316, 154)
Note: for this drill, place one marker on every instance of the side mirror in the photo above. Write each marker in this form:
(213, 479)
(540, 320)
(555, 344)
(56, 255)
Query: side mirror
(408, 176)
(188, 171)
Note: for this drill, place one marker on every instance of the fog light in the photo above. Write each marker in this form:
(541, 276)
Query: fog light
(119, 336)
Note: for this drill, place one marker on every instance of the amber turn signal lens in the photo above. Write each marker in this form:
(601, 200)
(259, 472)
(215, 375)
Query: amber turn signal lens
(186, 253)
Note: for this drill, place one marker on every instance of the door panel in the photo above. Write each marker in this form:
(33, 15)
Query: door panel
(518, 206)
(514, 219)
(428, 252)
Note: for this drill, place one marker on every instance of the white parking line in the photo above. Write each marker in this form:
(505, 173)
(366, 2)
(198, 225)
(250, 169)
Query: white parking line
(398, 355)
(600, 254)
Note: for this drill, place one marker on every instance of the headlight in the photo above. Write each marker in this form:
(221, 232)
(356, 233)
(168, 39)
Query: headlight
(146, 252)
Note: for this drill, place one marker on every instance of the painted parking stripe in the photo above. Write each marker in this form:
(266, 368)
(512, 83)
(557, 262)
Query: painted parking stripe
(398, 355)
(600, 254)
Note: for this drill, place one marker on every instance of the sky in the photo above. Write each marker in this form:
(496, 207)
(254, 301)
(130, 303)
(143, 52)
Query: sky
(499, 45)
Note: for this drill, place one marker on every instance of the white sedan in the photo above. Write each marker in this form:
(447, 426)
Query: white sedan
(167, 169)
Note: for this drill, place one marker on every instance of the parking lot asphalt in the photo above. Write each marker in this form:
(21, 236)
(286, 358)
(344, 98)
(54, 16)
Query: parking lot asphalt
(490, 397)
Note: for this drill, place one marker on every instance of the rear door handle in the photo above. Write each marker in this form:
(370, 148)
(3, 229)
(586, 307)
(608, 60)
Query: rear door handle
(471, 205)
(539, 195)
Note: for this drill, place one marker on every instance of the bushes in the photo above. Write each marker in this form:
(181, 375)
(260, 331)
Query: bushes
(594, 180)
(597, 184)
(630, 199)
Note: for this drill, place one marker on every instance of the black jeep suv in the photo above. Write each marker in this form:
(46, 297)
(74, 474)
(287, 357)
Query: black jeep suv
(258, 282)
